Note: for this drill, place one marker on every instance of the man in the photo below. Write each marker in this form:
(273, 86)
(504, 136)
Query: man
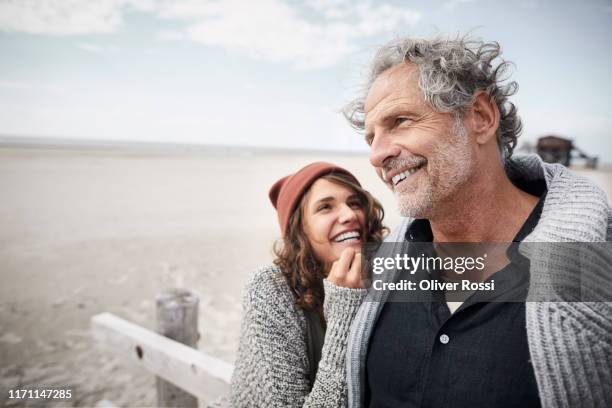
(442, 132)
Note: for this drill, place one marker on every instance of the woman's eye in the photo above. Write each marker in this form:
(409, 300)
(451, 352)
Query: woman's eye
(355, 204)
(324, 207)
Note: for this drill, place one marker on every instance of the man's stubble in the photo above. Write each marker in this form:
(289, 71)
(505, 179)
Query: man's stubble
(448, 168)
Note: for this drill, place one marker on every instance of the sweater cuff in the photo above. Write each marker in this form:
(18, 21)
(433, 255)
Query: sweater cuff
(341, 302)
(339, 307)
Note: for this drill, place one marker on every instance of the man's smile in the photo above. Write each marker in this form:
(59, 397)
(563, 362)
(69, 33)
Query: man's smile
(394, 177)
(399, 177)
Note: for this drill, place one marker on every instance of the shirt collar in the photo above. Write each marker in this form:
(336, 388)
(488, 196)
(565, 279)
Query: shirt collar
(419, 231)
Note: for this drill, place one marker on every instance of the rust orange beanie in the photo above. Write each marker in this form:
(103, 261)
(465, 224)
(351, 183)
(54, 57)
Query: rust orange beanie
(286, 193)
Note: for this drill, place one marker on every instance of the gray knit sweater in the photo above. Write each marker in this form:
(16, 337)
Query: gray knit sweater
(272, 367)
(570, 343)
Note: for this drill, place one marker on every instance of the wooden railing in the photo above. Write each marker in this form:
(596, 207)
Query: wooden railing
(192, 373)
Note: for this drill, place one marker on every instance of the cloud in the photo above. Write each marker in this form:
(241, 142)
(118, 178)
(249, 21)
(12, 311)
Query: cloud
(316, 34)
(90, 47)
(168, 35)
(65, 17)
(330, 8)
(97, 48)
(453, 4)
(271, 31)
(312, 34)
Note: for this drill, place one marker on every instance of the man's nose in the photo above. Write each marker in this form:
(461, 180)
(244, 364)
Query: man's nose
(382, 149)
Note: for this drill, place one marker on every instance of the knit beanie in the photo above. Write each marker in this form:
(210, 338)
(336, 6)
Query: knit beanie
(287, 192)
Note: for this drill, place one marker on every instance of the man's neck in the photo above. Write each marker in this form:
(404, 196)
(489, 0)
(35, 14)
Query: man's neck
(492, 210)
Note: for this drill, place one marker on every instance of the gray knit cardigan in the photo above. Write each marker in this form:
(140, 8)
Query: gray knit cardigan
(272, 367)
(570, 343)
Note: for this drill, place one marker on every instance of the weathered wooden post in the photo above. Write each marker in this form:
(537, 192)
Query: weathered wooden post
(177, 318)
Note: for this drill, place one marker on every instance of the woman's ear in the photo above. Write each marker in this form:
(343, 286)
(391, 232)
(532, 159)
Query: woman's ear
(484, 117)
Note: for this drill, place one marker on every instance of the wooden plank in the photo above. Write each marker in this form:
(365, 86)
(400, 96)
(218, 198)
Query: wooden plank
(197, 373)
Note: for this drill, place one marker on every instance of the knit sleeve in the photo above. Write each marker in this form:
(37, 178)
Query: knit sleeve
(340, 306)
(271, 369)
(609, 232)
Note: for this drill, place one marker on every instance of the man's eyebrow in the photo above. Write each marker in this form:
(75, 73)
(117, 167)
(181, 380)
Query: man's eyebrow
(386, 117)
(392, 113)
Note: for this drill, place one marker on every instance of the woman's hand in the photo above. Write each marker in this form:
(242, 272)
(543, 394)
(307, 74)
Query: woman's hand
(346, 271)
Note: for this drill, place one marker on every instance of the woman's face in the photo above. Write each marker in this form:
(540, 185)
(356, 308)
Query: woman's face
(333, 220)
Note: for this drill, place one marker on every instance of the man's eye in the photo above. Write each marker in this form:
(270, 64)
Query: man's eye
(400, 120)
(369, 138)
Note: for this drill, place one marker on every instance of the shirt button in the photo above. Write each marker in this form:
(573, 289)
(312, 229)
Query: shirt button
(444, 339)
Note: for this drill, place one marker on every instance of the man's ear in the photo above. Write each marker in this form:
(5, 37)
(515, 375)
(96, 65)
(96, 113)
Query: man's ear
(484, 117)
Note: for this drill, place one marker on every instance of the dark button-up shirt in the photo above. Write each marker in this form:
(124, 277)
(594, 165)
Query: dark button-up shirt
(421, 355)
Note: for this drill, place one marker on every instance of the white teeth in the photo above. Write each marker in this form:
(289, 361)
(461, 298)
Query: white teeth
(347, 235)
(401, 176)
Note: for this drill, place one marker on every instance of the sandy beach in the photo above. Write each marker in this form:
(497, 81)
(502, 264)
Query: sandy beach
(85, 232)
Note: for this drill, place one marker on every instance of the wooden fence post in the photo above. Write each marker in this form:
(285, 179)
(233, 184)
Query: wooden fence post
(177, 318)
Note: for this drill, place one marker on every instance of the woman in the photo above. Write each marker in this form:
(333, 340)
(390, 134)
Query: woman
(297, 312)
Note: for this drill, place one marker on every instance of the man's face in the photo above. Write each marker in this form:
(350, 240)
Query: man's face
(424, 156)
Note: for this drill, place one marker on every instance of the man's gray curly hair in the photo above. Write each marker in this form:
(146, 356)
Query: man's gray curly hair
(451, 71)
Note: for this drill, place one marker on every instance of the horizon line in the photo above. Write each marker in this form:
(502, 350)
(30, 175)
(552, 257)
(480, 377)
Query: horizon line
(68, 143)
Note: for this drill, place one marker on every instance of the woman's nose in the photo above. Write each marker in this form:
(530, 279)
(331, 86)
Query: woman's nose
(347, 213)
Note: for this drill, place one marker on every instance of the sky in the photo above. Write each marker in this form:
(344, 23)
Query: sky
(276, 73)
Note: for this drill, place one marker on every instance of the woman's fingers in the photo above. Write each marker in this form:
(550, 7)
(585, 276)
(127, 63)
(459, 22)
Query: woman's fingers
(353, 279)
(340, 267)
(346, 271)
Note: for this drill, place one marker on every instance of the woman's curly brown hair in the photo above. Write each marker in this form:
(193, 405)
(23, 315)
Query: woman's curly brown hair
(295, 256)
